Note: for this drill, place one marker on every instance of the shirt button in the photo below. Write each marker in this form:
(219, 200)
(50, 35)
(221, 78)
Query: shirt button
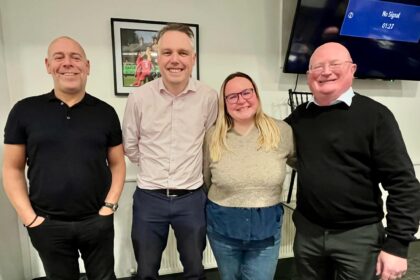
(68, 117)
(62, 103)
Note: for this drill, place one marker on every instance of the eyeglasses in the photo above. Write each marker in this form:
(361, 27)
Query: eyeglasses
(234, 97)
(333, 66)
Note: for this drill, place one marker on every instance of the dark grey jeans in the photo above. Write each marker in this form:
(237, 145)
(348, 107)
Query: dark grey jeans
(59, 243)
(323, 254)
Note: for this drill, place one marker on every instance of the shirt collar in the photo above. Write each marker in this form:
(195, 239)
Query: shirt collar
(191, 87)
(346, 98)
(87, 99)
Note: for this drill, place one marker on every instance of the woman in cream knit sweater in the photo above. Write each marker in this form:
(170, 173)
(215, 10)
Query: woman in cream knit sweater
(245, 156)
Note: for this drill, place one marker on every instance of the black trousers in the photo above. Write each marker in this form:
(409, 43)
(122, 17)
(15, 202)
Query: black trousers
(323, 254)
(59, 242)
(152, 214)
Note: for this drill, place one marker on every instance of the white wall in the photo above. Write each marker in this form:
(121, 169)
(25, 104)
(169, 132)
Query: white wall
(245, 35)
(10, 250)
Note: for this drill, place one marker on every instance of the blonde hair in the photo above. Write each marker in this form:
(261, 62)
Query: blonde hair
(269, 132)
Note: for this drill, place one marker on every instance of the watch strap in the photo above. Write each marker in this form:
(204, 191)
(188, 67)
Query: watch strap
(112, 206)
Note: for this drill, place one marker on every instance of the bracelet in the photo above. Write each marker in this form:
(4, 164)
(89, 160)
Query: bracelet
(33, 221)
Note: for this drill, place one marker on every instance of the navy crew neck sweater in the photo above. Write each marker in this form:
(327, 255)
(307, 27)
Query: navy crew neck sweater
(343, 154)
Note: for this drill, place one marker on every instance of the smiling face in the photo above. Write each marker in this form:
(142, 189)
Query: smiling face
(244, 109)
(331, 71)
(176, 58)
(67, 64)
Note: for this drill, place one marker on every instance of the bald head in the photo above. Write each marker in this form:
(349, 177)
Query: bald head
(63, 39)
(333, 50)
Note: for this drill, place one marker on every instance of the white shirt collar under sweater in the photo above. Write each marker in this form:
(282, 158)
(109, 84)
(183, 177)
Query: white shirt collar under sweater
(346, 97)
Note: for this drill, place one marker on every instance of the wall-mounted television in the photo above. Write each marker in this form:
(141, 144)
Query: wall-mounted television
(383, 37)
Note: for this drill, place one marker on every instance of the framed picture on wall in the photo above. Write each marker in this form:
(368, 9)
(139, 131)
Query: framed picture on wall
(134, 50)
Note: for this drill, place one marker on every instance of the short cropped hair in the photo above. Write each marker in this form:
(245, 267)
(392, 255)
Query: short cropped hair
(180, 27)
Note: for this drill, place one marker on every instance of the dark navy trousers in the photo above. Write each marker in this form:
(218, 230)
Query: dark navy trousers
(153, 212)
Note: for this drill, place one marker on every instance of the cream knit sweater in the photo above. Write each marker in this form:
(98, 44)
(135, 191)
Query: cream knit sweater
(246, 176)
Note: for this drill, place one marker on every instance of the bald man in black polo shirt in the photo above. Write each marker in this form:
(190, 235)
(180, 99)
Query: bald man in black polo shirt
(72, 144)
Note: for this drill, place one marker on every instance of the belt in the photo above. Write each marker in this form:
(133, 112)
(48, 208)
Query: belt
(174, 192)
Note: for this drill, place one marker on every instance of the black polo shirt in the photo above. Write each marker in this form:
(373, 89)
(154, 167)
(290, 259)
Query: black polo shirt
(66, 149)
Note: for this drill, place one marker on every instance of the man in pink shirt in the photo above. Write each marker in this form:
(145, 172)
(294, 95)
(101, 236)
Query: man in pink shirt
(163, 129)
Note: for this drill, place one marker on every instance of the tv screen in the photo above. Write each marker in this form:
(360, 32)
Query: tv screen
(382, 36)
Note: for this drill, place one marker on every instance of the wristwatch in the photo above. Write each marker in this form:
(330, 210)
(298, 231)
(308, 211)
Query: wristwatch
(112, 206)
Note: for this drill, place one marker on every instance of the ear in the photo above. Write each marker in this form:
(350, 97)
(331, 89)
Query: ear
(88, 66)
(194, 57)
(353, 68)
(47, 65)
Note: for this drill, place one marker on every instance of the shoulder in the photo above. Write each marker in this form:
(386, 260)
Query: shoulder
(27, 110)
(204, 89)
(369, 105)
(302, 106)
(35, 99)
(210, 132)
(145, 91)
(286, 133)
(296, 113)
(99, 103)
(31, 103)
(359, 99)
(283, 126)
(100, 110)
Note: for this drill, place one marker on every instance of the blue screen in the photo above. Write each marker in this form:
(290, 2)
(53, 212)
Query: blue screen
(382, 20)
(382, 36)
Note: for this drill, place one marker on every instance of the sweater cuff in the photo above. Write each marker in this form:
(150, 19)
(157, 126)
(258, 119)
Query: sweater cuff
(396, 247)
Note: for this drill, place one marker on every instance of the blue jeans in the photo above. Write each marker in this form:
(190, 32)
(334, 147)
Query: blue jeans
(243, 262)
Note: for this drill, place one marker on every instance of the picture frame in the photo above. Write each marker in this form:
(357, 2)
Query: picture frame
(134, 47)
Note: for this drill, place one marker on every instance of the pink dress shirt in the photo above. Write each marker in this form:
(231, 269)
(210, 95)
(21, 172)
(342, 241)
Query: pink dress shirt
(163, 134)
